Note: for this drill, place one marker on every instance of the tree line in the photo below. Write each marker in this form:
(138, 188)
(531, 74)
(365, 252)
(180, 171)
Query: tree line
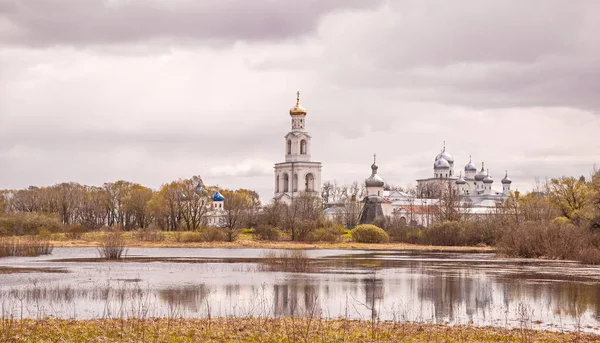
(179, 204)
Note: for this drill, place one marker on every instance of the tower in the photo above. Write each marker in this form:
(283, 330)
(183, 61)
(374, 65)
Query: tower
(487, 183)
(506, 184)
(470, 169)
(298, 173)
(479, 188)
(218, 200)
(372, 208)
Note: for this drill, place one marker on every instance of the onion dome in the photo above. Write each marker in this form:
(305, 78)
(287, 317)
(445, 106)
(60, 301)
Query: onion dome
(297, 110)
(470, 166)
(374, 180)
(481, 175)
(506, 179)
(460, 180)
(488, 178)
(441, 163)
(445, 155)
(218, 196)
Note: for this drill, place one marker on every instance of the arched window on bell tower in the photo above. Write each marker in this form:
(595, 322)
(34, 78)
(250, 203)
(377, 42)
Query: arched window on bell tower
(286, 182)
(277, 184)
(289, 147)
(309, 182)
(303, 147)
(295, 183)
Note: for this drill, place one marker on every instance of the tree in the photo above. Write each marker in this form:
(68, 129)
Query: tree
(571, 197)
(272, 214)
(136, 205)
(449, 206)
(594, 200)
(303, 215)
(193, 202)
(236, 209)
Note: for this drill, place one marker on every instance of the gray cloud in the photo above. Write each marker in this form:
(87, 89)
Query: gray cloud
(513, 84)
(81, 23)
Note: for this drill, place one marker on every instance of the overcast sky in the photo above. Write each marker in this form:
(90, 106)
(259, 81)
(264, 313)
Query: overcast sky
(155, 90)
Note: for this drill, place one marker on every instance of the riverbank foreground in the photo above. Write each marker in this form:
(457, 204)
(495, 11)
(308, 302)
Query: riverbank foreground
(265, 330)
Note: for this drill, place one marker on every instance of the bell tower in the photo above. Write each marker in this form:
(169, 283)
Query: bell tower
(298, 173)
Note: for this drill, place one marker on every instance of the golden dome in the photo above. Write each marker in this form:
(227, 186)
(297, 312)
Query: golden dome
(298, 110)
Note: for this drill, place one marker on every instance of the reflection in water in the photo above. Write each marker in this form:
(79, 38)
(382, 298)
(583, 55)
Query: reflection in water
(457, 289)
(189, 297)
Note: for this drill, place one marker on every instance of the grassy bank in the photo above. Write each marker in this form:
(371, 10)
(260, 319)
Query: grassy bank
(264, 330)
(170, 239)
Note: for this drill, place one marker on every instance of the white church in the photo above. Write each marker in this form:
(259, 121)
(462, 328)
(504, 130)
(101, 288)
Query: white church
(474, 187)
(298, 173)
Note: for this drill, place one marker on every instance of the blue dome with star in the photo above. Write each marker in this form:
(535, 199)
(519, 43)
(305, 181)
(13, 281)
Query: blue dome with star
(218, 196)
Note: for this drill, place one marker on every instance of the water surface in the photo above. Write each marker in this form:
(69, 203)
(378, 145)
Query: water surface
(454, 288)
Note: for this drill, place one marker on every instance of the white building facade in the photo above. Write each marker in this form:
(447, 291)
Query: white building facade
(298, 173)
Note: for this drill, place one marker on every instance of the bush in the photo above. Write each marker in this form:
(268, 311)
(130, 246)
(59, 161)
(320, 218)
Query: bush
(267, 233)
(191, 237)
(28, 223)
(294, 261)
(74, 231)
(330, 234)
(150, 234)
(536, 239)
(589, 255)
(367, 233)
(213, 234)
(112, 246)
(207, 234)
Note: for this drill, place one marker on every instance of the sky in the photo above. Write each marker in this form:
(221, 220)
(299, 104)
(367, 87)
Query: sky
(151, 91)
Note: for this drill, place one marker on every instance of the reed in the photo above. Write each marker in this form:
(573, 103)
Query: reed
(24, 246)
(293, 261)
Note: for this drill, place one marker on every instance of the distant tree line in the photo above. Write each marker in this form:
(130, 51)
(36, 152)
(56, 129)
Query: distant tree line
(176, 205)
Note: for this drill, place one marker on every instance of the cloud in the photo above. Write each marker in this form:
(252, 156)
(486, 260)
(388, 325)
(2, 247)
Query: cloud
(246, 168)
(152, 91)
(73, 22)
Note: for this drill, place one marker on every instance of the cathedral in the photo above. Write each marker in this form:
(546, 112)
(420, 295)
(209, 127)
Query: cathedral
(298, 173)
(473, 186)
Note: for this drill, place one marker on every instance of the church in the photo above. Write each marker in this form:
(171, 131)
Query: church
(297, 173)
(474, 186)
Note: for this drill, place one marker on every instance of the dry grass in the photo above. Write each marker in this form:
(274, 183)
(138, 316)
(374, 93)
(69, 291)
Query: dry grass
(170, 241)
(264, 330)
(25, 246)
(292, 261)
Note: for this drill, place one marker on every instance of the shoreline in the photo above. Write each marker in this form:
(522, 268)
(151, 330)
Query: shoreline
(253, 244)
(258, 329)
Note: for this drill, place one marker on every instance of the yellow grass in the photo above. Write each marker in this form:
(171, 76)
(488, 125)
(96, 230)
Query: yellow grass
(264, 330)
(246, 241)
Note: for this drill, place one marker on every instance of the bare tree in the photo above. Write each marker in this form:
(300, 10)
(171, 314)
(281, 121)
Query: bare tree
(236, 210)
(449, 206)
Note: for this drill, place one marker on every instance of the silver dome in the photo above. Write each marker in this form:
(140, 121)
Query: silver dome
(470, 166)
(506, 179)
(374, 180)
(481, 175)
(445, 155)
(460, 180)
(441, 163)
(488, 178)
